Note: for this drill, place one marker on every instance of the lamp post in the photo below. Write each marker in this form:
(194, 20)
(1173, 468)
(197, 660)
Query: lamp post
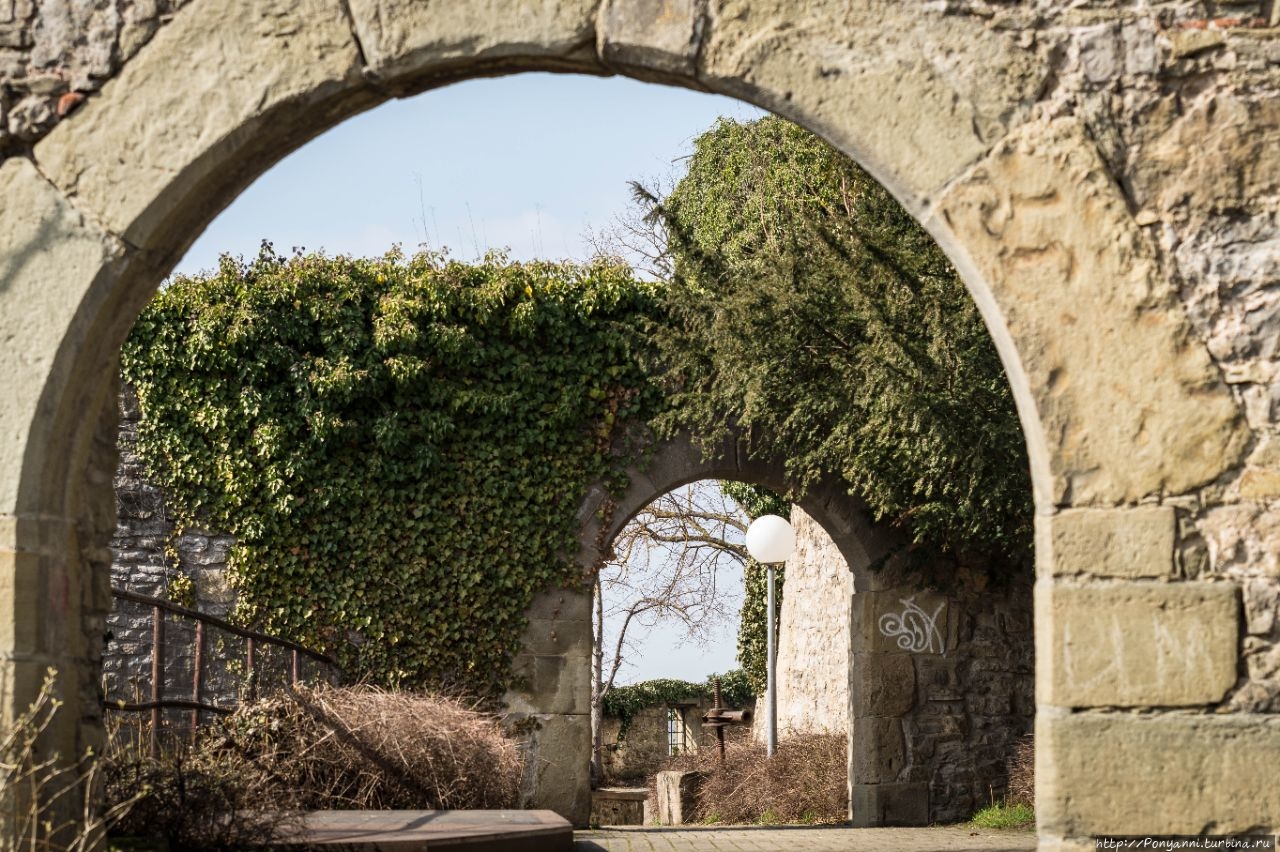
(770, 541)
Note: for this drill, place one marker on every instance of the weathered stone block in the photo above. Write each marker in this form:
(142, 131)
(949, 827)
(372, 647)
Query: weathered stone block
(50, 257)
(1129, 402)
(676, 794)
(552, 672)
(889, 804)
(1173, 773)
(550, 683)
(49, 536)
(1237, 139)
(24, 588)
(878, 90)
(560, 605)
(877, 750)
(903, 620)
(1261, 605)
(618, 805)
(557, 770)
(1135, 644)
(1132, 543)
(882, 684)
(401, 36)
(652, 35)
(937, 678)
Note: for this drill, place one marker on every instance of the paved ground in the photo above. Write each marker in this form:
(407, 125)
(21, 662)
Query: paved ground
(802, 839)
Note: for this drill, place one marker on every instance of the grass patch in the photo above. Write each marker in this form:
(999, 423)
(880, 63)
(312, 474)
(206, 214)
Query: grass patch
(1017, 815)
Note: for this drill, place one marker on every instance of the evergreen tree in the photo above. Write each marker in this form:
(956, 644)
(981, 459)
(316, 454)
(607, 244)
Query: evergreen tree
(810, 309)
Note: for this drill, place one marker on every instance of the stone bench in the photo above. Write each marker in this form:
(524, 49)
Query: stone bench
(618, 806)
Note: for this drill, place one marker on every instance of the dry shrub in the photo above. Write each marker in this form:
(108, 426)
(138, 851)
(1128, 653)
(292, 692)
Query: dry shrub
(806, 781)
(47, 804)
(192, 798)
(361, 747)
(1022, 773)
(318, 748)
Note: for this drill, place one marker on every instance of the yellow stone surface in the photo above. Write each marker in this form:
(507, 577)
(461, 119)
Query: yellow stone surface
(1132, 543)
(879, 92)
(1174, 773)
(1128, 401)
(403, 37)
(652, 35)
(1135, 644)
(50, 256)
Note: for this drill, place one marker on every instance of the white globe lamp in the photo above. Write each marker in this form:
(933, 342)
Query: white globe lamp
(770, 540)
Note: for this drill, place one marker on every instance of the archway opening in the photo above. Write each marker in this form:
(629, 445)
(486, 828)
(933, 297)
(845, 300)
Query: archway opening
(167, 240)
(875, 776)
(935, 684)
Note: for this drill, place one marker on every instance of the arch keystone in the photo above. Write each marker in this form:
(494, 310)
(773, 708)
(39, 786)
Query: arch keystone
(661, 36)
(404, 38)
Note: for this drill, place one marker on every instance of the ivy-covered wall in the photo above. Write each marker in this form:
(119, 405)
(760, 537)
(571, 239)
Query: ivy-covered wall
(398, 445)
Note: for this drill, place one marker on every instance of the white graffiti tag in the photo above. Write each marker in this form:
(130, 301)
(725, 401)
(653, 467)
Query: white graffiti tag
(915, 629)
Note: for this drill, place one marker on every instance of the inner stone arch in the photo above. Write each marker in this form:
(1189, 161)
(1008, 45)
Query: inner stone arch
(940, 675)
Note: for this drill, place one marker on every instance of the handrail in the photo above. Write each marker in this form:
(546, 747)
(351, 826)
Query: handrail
(169, 606)
(158, 702)
(175, 703)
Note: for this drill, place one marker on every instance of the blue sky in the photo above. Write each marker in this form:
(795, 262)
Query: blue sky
(527, 162)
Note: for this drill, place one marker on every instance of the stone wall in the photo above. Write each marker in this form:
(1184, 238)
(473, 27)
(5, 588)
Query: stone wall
(646, 748)
(813, 640)
(146, 557)
(1105, 175)
(145, 554)
(950, 699)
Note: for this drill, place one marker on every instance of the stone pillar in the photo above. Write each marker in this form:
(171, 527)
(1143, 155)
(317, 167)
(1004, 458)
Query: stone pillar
(1119, 630)
(676, 792)
(549, 704)
(889, 628)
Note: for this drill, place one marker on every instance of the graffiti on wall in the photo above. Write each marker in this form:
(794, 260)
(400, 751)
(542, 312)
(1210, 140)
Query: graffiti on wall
(915, 630)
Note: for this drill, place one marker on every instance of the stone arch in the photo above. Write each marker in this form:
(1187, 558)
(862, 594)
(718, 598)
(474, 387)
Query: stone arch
(680, 460)
(1120, 402)
(899, 697)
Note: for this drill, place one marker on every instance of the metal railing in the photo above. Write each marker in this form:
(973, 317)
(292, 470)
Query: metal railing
(253, 640)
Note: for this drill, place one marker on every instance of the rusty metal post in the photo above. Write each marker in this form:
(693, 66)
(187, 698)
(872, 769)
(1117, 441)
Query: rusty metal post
(718, 717)
(197, 674)
(157, 677)
(250, 674)
(295, 673)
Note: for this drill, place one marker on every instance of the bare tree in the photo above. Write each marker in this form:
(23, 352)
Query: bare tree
(637, 236)
(667, 568)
